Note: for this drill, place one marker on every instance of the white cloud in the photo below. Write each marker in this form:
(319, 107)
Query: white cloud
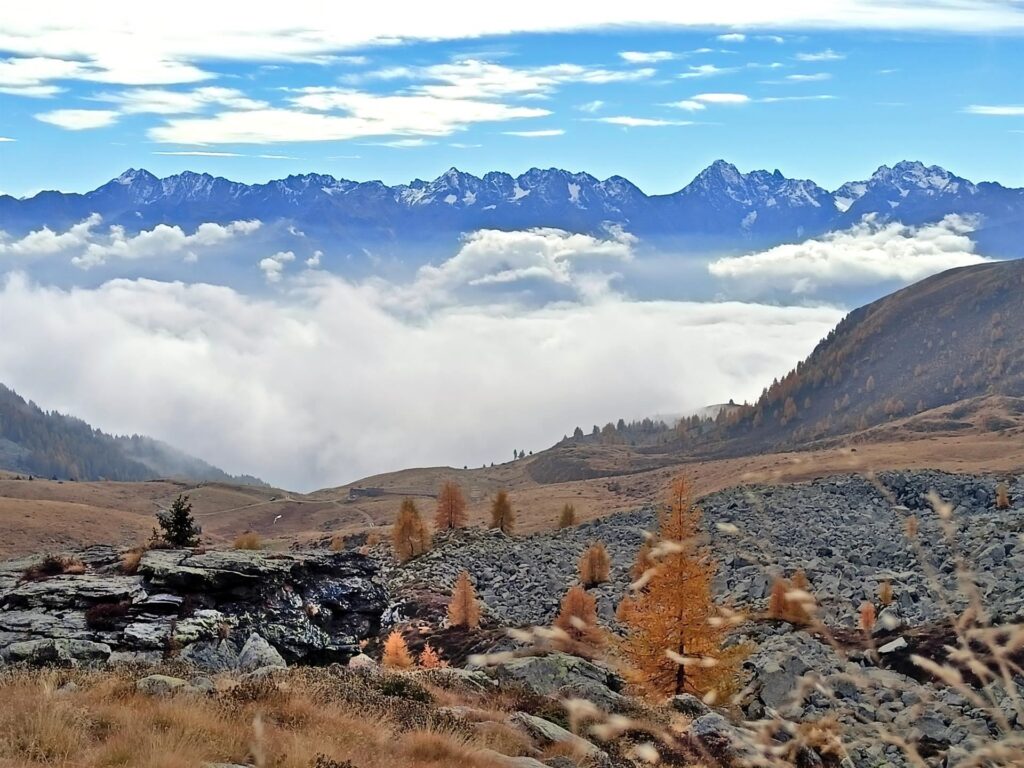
(365, 115)
(591, 106)
(816, 77)
(314, 261)
(537, 265)
(733, 37)
(79, 119)
(688, 104)
(815, 97)
(639, 122)
(722, 98)
(200, 153)
(296, 391)
(537, 134)
(161, 101)
(706, 70)
(404, 143)
(646, 57)
(138, 43)
(827, 55)
(273, 266)
(1000, 110)
(7, 138)
(88, 248)
(32, 91)
(868, 253)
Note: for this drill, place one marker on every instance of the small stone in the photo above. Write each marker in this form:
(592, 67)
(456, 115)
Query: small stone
(160, 685)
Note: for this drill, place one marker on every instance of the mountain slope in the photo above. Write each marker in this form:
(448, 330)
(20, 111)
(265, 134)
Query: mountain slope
(50, 444)
(721, 206)
(945, 340)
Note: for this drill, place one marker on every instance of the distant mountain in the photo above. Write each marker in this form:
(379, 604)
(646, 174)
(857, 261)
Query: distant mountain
(50, 444)
(721, 207)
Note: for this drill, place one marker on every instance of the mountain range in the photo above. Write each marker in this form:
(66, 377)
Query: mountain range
(722, 208)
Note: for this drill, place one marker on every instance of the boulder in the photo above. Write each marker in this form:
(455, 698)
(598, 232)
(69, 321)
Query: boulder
(210, 655)
(562, 674)
(56, 652)
(547, 733)
(257, 653)
(689, 705)
(160, 685)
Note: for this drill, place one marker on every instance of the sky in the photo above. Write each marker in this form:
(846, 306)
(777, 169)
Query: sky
(314, 378)
(828, 91)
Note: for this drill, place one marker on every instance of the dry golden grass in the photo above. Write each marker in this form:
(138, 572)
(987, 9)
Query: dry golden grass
(248, 540)
(103, 721)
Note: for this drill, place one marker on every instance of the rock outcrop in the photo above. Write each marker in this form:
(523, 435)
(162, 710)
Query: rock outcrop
(217, 610)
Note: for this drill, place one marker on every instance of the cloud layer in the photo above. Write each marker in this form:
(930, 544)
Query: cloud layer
(324, 384)
(869, 253)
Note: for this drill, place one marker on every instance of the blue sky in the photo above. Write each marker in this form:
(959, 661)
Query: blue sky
(825, 99)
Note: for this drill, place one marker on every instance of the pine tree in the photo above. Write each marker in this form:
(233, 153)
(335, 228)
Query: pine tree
(595, 565)
(431, 659)
(464, 609)
(178, 526)
(501, 514)
(451, 507)
(409, 535)
(568, 517)
(578, 617)
(672, 644)
(396, 652)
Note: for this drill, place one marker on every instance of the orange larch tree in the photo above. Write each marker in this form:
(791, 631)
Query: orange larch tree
(396, 652)
(595, 565)
(568, 517)
(673, 643)
(501, 513)
(409, 535)
(451, 507)
(431, 659)
(464, 609)
(578, 617)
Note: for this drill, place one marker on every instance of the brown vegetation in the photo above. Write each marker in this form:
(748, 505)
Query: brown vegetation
(1002, 496)
(409, 535)
(464, 609)
(248, 540)
(595, 565)
(502, 517)
(431, 659)
(396, 653)
(567, 518)
(451, 507)
(53, 565)
(577, 617)
(674, 643)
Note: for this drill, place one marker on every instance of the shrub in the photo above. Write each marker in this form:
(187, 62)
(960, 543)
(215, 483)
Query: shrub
(502, 516)
(885, 595)
(568, 517)
(249, 540)
(578, 617)
(53, 565)
(464, 609)
(178, 527)
(866, 619)
(595, 565)
(1002, 496)
(106, 616)
(431, 659)
(409, 535)
(130, 561)
(396, 652)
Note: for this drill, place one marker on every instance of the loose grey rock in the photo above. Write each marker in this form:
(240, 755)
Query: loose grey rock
(258, 653)
(160, 685)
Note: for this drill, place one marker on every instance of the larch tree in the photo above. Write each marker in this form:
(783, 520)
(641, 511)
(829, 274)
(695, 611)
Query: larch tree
(451, 507)
(673, 645)
(396, 653)
(578, 618)
(431, 659)
(595, 565)
(568, 517)
(464, 608)
(409, 535)
(502, 517)
(1002, 496)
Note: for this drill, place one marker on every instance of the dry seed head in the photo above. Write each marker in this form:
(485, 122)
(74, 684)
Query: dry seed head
(728, 528)
(646, 753)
